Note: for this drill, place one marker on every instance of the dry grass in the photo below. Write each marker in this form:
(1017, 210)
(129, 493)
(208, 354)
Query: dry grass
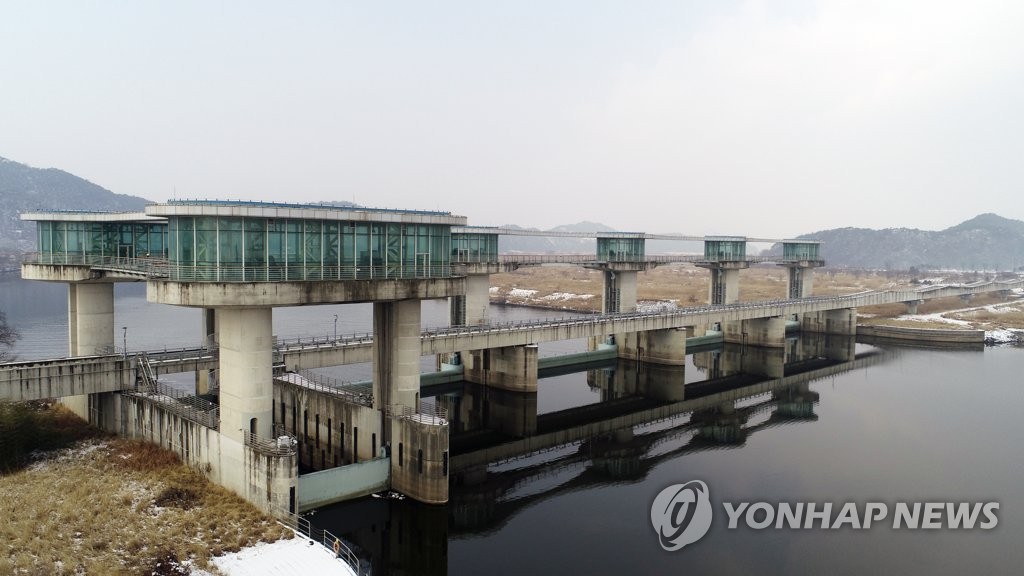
(115, 506)
(684, 284)
(687, 285)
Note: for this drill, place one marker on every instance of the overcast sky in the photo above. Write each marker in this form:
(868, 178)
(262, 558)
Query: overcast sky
(757, 118)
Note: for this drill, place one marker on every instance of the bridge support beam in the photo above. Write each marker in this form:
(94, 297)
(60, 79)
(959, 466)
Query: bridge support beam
(246, 383)
(966, 297)
(396, 355)
(510, 368)
(912, 306)
(90, 330)
(471, 308)
(769, 332)
(654, 346)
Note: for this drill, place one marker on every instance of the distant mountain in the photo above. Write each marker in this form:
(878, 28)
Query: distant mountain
(985, 242)
(26, 189)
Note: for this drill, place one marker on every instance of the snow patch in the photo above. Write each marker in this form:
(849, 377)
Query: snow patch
(1004, 337)
(563, 296)
(521, 293)
(300, 555)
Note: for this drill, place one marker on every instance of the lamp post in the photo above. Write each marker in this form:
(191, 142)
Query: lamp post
(124, 342)
(335, 327)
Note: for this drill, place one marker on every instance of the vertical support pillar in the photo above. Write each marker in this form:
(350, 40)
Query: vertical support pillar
(204, 378)
(912, 306)
(800, 282)
(619, 293)
(90, 318)
(725, 286)
(90, 329)
(396, 354)
(472, 308)
(246, 382)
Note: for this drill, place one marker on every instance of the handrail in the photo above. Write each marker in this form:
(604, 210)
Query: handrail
(403, 412)
(324, 538)
(283, 445)
(320, 383)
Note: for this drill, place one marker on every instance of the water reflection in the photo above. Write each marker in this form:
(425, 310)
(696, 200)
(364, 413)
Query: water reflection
(507, 455)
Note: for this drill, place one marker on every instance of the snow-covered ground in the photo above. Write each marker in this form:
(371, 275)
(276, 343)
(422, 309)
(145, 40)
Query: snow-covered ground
(299, 556)
(999, 336)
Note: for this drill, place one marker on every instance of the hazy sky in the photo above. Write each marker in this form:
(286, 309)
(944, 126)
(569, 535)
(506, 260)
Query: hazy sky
(761, 118)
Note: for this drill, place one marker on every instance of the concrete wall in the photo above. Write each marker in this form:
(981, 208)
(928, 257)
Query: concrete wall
(268, 479)
(328, 427)
(419, 458)
(923, 334)
(344, 483)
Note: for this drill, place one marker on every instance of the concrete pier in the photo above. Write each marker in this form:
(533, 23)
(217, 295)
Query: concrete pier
(246, 380)
(654, 346)
(471, 309)
(510, 368)
(396, 354)
(838, 321)
(769, 332)
(619, 294)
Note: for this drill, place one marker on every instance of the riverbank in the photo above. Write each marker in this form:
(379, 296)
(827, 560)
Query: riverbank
(567, 288)
(105, 505)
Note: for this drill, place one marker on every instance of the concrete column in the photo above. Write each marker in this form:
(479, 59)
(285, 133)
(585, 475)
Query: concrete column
(90, 329)
(619, 293)
(478, 298)
(912, 306)
(654, 346)
(769, 332)
(90, 318)
(725, 286)
(509, 368)
(210, 337)
(246, 383)
(396, 354)
(801, 282)
(966, 297)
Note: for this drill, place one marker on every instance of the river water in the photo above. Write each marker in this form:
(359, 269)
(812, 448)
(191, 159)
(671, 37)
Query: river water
(908, 426)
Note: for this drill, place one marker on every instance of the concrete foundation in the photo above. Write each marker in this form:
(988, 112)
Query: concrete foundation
(396, 354)
(511, 368)
(769, 332)
(654, 346)
(419, 458)
(912, 306)
(246, 383)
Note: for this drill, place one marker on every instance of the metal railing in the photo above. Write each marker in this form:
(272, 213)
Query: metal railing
(281, 446)
(300, 272)
(403, 412)
(188, 406)
(332, 543)
(328, 385)
(151, 267)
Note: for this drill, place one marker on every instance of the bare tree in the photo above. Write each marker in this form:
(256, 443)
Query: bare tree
(8, 336)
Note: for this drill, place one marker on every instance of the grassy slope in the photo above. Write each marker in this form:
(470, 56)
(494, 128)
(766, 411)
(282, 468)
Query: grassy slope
(113, 506)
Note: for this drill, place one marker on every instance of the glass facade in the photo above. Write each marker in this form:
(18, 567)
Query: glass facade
(474, 247)
(72, 242)
(725, 250)
(243, 249)
(801, 251)
(620, 249)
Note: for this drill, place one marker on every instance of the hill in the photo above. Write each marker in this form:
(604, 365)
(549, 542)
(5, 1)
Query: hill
(985, 242)
(25, 189)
